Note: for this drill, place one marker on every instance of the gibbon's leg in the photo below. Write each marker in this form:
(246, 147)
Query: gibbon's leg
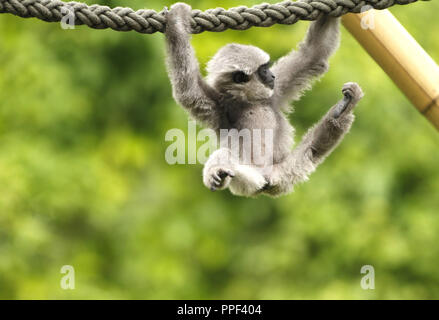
(317, 143)
(295, 71)
(223, 170)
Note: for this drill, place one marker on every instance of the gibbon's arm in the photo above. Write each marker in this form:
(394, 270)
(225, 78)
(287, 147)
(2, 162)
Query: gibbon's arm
(317, 144)
(295, 71)
(189, 88)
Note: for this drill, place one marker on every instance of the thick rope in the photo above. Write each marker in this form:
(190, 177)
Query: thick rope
(219, 19)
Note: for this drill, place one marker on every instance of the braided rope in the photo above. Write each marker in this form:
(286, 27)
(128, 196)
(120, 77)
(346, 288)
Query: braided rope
(219, 19)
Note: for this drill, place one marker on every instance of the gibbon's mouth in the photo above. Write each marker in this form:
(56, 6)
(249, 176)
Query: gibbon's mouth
(270, 84)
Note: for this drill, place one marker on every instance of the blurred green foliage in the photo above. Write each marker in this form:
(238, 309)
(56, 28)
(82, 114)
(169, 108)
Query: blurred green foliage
(84, 182)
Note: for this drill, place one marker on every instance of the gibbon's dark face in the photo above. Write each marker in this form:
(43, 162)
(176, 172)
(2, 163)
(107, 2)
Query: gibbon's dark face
(241, 71)
(264, 74)
(251, 87)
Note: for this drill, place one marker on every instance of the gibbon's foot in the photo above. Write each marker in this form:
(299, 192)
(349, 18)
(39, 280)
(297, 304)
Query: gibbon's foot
(352, 93)
(218, 178)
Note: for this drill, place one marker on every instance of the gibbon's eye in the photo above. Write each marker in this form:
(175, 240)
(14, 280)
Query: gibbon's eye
(240, 77)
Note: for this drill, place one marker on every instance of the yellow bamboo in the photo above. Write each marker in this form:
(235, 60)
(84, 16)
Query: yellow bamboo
(400, 56)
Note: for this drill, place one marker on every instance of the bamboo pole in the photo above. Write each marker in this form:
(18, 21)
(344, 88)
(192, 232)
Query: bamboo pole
(400, 56)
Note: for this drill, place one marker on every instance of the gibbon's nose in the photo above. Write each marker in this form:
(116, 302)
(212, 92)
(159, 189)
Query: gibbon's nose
(273, 77)
(266, 76)
(270, 80)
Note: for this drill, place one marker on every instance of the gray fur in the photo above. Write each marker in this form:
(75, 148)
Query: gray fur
(220, 103)
(235, 56)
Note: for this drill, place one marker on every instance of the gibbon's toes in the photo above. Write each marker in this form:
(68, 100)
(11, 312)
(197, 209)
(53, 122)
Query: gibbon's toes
(215, 183)
(217, 179)
(223, 173)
